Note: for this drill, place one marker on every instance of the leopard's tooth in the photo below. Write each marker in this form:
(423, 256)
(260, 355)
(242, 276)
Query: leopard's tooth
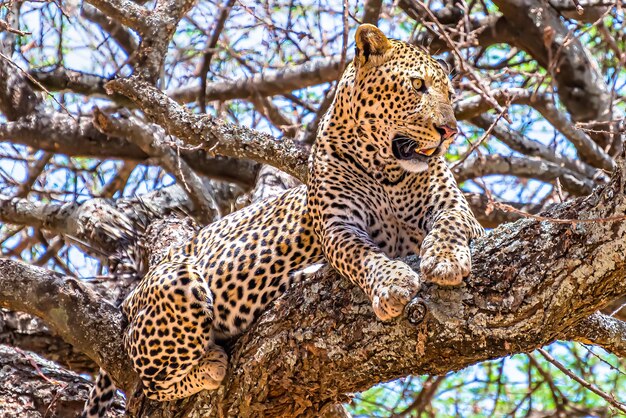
(427, 151)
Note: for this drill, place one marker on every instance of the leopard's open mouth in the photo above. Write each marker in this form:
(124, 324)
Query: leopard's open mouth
(405, 148)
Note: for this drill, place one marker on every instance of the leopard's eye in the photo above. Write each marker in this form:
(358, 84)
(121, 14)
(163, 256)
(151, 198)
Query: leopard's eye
(418, 85)
(450, 95)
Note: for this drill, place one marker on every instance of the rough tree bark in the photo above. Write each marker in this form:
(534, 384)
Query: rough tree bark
(37, 388)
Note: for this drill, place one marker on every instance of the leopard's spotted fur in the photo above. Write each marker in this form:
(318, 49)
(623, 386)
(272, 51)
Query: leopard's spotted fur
(379, 189)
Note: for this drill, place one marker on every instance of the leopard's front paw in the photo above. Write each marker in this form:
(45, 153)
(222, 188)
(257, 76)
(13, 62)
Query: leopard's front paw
(394, 285)
(446, 266)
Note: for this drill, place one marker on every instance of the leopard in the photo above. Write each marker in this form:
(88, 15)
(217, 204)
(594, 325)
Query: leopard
(378, 190)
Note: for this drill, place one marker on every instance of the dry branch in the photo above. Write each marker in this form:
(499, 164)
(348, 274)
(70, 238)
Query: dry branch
(212, 134)
(518, 142)
(267, 83)
(539, 30)
(37, 388)
(151, 140)
(63, 134)
(522, 167)
(122, 36)
(588, 150)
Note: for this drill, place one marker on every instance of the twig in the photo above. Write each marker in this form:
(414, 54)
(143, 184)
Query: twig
(344, 35)
(476, 144)
(590, 386)
(210, 51)
(509, 208)
(4, 26)
(37, 83)
(482, 89)
(36, 366)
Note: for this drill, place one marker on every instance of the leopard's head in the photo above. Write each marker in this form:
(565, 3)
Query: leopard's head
(401, 98)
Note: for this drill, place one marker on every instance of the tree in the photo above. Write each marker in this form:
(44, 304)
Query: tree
(127, 124)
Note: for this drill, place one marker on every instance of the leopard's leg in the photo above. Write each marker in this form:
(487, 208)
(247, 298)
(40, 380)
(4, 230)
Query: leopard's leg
(170, 335)
(445, 253)
(450, 225)
(390, 284)
(206, 375)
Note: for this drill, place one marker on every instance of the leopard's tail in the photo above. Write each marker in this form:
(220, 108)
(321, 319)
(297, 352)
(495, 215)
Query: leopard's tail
(100, 397)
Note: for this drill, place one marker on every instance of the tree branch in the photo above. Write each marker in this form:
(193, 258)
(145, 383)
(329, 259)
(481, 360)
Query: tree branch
(267, 83)
(523, 167)
(592, 10)
(17, 98)
(580, 84)
(149, 137)
(126, 12)
(212, 134)
(490, 217)
(104, 224)
(603, 330)
(519, 143)
(29, 333)
(35, 387)
(532, 282)
(119, 33)
(63, 134)
(67, 80)
(371, 11)
(588, 150)
(80, 316)
(156, 28)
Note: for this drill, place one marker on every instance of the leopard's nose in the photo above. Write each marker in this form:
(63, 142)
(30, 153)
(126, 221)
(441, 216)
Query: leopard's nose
(447, 131)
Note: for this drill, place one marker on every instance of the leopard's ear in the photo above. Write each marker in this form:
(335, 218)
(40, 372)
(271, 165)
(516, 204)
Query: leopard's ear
(371, 46)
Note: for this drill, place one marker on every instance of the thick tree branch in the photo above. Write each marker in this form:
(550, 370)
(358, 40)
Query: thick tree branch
(371, 11)
(95, 221)
(266, 83)
(486, 165)
(29, 333)
(80, 316)
(104, 224)
(66, 80)
(63, 134)
(37, 388)
(592, 10)
(603, 330)
(126, 12)
(532, 282)
(212, 134)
